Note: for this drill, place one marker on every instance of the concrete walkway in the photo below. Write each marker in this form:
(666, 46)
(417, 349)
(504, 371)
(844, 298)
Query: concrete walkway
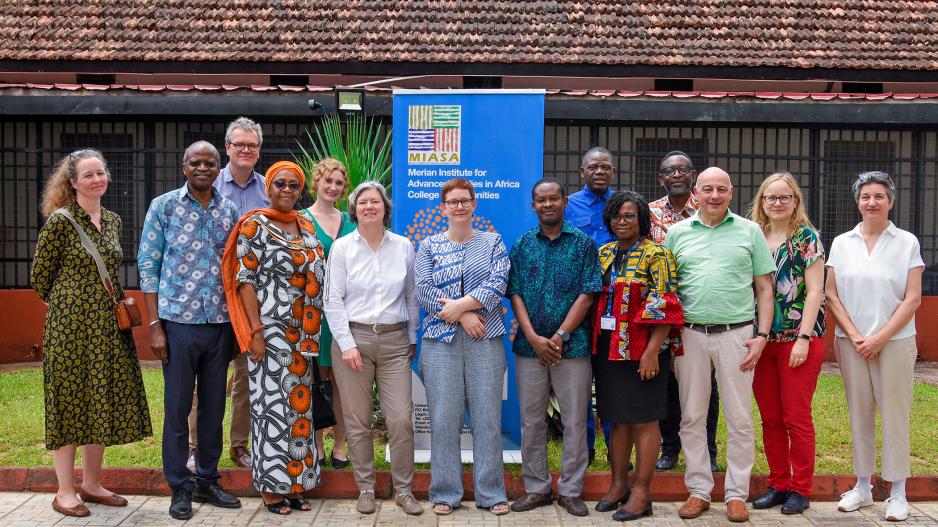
(35, 510)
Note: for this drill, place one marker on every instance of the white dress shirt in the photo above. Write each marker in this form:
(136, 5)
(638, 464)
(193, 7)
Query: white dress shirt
(370, 287)
(871, 285)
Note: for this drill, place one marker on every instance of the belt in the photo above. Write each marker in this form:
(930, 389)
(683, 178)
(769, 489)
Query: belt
(707, 329)
(379, 328)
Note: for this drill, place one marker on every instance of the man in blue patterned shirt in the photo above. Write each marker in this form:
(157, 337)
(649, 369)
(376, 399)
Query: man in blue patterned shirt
(179, 261)
(554, 273)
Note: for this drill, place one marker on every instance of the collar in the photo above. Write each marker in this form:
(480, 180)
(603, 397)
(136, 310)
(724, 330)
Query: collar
(891, 229)
(593, 198)
(184, 194)
(565, 228)
(692, 203)
(228, 177)
(357, 236)
(696, 219)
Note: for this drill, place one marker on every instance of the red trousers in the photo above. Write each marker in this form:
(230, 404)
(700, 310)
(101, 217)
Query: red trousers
(784, 397)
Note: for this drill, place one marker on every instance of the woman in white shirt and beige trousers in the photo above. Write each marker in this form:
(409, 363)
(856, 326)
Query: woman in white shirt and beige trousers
(372, 308)
(874, 285)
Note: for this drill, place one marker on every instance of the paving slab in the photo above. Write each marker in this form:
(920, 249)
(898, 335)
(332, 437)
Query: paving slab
(23, 509)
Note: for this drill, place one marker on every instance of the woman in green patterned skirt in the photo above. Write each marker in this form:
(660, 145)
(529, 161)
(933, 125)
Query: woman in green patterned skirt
(94, 395)
(328, 184)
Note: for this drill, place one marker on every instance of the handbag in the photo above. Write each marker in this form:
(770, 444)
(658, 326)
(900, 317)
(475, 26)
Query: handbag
(126, 310)
(323, 412)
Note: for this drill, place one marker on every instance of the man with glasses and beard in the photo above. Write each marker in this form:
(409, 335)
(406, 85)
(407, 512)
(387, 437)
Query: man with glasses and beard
(677, 176)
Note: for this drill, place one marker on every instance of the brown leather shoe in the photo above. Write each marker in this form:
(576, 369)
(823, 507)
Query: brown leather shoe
(693, 508)
(241, 456)
(111, 501)
(736, 511)
(78, 511)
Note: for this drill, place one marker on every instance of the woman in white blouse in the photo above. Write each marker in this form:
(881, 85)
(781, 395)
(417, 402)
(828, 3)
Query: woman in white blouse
(874, 286)
(372, 309)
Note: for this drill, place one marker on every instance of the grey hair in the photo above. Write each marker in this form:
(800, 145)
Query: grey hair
(363, 186)
(243, 123)
(594, 150)
(874, 176)
(200, 144)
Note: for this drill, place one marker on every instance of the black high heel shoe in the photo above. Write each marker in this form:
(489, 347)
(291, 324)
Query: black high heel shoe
(623, 515)
(608, 506)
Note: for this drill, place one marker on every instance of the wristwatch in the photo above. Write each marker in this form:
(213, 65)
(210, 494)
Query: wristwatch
(763, 335)
(564, 336)
(803, 336)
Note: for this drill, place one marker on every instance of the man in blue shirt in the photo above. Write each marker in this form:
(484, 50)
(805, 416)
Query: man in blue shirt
(179, 261)
(240, 183)
(554, 273)
(585, 210)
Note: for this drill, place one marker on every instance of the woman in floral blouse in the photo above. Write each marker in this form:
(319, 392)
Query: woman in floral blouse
(786, 375)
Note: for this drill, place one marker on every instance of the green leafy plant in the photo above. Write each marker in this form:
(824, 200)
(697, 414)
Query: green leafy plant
(362, 144)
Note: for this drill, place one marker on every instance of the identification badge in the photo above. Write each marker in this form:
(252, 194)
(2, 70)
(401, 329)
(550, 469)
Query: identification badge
(607, 323)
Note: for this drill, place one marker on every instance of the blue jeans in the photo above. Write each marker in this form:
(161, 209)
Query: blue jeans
(460, 374)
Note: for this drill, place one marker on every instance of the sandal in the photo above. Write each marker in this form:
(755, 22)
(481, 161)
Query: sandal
(442, 509)
(281, 507)
(500, 508)
(298, 503)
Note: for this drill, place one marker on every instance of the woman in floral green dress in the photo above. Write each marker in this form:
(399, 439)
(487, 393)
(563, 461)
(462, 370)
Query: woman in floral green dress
(94, 395)
(787, 372)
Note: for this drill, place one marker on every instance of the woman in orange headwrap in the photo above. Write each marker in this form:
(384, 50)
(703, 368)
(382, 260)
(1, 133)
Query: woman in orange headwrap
(273, 271)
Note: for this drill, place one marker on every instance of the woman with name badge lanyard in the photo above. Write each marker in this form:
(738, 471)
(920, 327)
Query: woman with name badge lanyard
(328, 184)
(634, 338)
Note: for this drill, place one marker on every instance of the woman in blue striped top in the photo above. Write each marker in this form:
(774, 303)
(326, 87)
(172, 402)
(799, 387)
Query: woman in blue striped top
(461, 277)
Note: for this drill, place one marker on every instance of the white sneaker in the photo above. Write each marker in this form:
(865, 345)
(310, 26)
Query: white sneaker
(190, 463)
(855, 498)
(897, 509)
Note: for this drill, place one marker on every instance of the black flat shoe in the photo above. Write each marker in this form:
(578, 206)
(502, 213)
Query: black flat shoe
(281, 507)
(623, 515)
(608, 506)
(215, 495)
(339, 463)
(795, 504)
(770, 499)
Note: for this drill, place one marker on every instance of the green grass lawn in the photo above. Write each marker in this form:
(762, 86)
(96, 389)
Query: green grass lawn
(22, 435)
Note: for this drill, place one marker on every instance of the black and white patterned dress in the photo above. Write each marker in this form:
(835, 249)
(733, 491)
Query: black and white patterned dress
(287, 274)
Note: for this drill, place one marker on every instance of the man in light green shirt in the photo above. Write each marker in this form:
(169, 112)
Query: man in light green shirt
(720, 256)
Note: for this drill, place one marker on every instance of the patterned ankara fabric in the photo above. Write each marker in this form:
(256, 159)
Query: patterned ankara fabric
(180, 256)
(287, 274)
(663, 215)
(644, 295)
(478, 268)
(802, 249)
(93, 387)
(549, 275)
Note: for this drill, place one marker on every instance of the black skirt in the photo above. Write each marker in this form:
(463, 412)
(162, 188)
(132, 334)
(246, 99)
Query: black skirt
(622, 397)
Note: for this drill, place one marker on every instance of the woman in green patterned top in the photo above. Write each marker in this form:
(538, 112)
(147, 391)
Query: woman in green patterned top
(787, 372)
(93, 387)
(328, 184)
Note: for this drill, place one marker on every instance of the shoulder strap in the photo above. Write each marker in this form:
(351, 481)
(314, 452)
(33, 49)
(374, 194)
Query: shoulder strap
(92, 250)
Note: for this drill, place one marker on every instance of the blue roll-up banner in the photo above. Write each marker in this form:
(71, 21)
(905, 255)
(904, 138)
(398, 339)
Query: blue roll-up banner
(495, 139)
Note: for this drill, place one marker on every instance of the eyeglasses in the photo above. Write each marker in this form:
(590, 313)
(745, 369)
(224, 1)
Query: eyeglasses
(250, 147)
(670, 171)
(455, 203)
(281, 184)
(593, 167)
(628, 217)
(193, 164)
(784, 199)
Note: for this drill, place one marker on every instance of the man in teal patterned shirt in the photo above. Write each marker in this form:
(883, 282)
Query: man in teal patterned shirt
(554, 274)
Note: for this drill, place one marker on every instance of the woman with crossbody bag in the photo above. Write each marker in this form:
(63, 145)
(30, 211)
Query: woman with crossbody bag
(94, 394)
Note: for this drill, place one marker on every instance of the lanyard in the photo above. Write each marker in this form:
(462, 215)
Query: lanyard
(614, 274)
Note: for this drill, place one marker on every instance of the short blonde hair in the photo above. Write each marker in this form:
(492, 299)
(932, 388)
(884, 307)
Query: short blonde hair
(798, 217)
(327, 166)
(59, 191)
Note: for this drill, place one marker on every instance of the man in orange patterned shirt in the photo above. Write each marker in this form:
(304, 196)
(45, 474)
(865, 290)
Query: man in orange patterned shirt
(677, 176)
